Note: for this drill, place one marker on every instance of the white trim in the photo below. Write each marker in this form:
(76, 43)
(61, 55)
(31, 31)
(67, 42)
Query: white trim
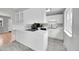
(66, 29)
(70, 35)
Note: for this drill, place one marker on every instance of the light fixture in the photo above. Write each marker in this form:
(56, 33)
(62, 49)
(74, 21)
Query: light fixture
(48, 9)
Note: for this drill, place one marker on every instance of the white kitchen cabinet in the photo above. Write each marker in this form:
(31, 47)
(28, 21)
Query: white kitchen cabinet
(36, 40)
(56, 33)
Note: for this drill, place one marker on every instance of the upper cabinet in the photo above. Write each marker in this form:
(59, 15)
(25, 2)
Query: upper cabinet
(68, 21)
(54, 11)
(58, 18)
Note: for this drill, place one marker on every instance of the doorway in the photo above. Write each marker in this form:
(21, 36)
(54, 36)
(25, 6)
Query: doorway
(55, 19)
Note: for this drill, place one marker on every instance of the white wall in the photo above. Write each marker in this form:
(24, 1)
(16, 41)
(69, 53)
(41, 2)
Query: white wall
(31, 16)
(34, 15)
(72, 43)
(7, 12)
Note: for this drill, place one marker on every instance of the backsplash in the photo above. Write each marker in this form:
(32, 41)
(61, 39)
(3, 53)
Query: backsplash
(36, 26)
(45, 25)
(27, 26)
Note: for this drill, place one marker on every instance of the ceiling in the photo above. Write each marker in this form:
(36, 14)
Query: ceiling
(54, 11)
(19, 9)
(13, 9)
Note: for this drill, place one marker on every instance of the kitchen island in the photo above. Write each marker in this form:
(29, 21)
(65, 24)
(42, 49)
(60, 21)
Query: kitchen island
(36, 40)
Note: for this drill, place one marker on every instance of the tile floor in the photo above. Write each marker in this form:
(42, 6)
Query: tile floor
(55, 45)
(15, 46)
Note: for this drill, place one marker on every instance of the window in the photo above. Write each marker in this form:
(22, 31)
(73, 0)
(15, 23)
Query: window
(68, 21)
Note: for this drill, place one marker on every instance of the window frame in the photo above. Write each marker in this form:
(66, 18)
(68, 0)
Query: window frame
(68, 22)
